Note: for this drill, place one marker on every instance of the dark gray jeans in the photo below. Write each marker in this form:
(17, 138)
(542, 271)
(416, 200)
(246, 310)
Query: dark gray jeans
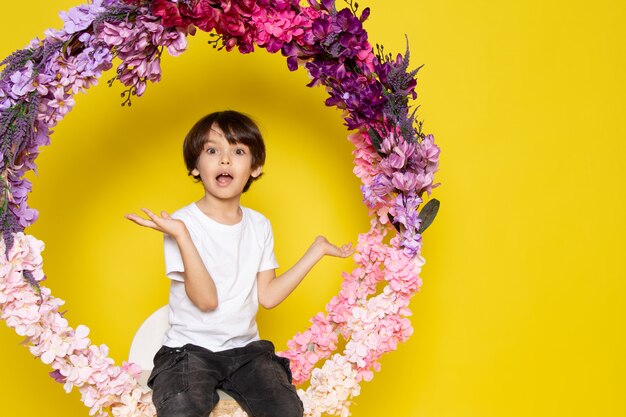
(184, 381)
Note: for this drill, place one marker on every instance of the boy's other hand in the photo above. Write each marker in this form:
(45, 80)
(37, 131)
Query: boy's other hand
(173, 227)
(329, 249)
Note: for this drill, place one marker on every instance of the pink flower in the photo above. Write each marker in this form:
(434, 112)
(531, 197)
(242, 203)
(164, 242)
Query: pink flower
(62, 102)
(403, 272)
(276, 27)
(428, 150)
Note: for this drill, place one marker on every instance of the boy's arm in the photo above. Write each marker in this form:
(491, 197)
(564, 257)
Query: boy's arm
(273, 290)
(199, 285)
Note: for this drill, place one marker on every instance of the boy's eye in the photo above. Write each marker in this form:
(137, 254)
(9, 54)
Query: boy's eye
(240, 151)
(211, 150)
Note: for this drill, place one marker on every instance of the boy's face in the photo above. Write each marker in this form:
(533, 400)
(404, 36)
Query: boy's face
(223, 167)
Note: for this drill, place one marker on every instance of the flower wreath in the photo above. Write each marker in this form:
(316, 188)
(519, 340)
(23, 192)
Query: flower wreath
(393, 158)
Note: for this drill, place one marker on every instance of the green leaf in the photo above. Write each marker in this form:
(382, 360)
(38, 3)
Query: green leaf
(396, 225)
(428, 214)
(376, 141)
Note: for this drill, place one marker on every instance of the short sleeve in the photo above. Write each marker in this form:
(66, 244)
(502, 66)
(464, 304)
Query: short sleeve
(173, 260)
(268, 260)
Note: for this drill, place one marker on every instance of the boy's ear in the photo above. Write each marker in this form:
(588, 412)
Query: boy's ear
(256, 172)
(195, 172)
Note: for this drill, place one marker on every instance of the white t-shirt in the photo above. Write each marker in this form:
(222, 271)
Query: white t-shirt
(232, 254)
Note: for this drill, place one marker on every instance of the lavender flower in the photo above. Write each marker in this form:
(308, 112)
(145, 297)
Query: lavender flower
(81, 17)
(406, 213)
(22, 81)
(411, 243)
(95, 58)
(374, 193)
(399, 85)
(5, 100)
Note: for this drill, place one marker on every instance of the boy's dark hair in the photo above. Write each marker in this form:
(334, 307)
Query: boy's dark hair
(237, 128)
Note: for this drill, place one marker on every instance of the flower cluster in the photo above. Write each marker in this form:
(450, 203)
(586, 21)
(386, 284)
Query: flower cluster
(34, 313)
(139, 44)
(394, 160)
(371, 326)
(394, 179)
(38, 84)
(332, 386)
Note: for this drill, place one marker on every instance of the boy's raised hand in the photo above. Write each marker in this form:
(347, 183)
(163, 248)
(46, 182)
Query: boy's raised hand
(328, 248)
(165, 223)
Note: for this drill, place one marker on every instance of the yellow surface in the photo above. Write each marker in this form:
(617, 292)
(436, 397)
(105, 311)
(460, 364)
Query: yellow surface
(522, 309)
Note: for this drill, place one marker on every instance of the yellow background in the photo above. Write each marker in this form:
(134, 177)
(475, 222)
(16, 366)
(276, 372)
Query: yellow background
(522, 309)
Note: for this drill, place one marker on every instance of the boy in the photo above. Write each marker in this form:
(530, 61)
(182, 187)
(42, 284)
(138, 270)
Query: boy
(220, 258)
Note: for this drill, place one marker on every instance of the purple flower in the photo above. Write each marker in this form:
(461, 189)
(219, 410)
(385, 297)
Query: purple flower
(375, 192)
(57, 376)
(62, 102)
(411, 243)
(328, 5)
(406, 212)
(94, 59)
(26, 215)
(5, 101)
(22, 81)
(339, 35)
(41, 83)
(399, 84)
(322, 27)
(361, 96)
(42, 137)
(79, 18)
(19, 190)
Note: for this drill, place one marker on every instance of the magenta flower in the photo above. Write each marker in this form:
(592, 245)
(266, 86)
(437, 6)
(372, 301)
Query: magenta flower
(169, 13)
(273, 30)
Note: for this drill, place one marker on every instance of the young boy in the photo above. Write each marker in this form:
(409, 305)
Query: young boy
(220, 259)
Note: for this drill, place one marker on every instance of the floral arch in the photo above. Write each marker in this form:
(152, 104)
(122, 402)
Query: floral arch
(393, 158)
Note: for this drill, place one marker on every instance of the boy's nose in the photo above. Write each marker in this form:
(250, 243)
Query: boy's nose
(225, 160)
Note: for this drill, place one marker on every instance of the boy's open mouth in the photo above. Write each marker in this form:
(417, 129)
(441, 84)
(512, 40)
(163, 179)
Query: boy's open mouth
(224, 178)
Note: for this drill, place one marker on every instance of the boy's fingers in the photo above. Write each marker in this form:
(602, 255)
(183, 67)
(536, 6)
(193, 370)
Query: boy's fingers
(134, 218)
(140, 220)
(150, 214)
(347, 249)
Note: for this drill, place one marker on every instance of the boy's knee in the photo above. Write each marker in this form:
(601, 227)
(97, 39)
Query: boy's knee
(293, 410)
(288, 405)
